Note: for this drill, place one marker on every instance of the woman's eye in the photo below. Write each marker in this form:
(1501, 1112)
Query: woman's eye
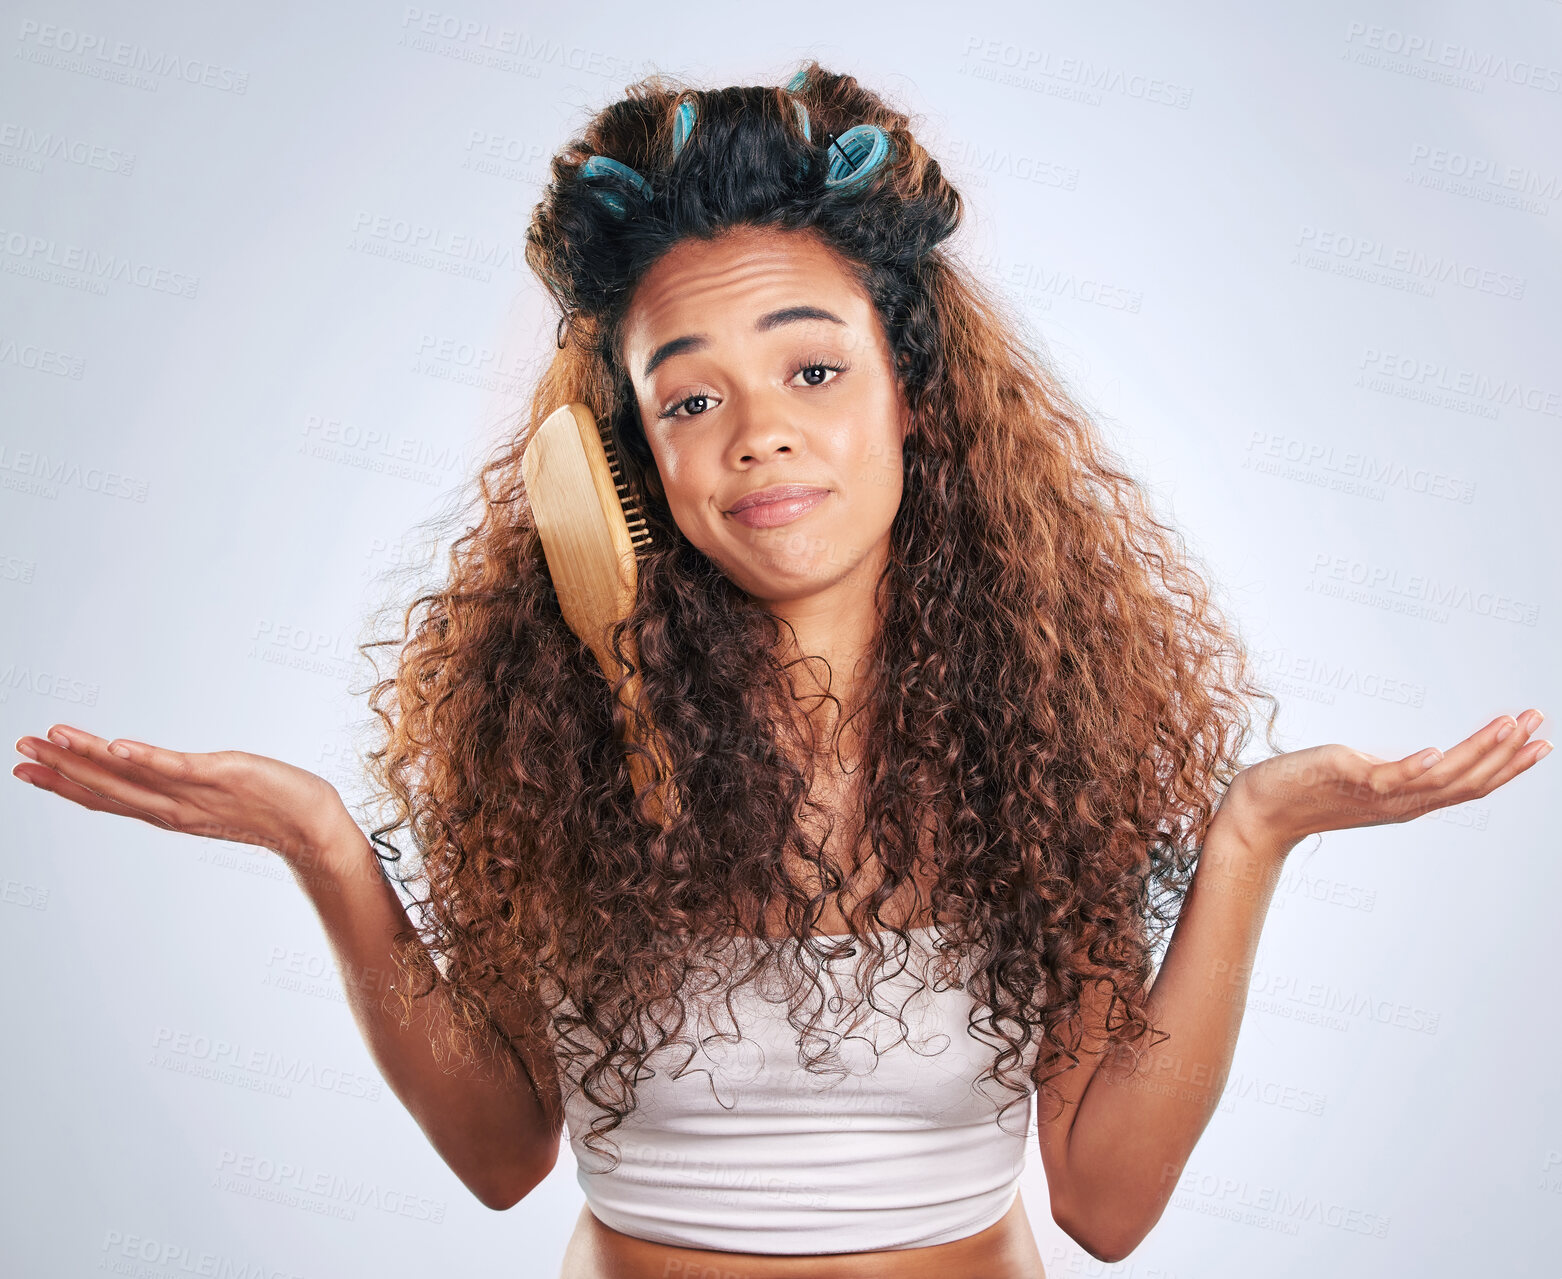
(818, 368)
(672, 409)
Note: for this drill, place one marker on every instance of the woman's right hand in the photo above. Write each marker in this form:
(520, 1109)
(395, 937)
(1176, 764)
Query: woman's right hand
(231, 795)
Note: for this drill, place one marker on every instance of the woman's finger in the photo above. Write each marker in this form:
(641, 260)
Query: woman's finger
(1467, 768)
(154, 761)
(1468, 753)
(1419, 767)
(1495, 755)
(1533, 753)
(47, 779)
(1474, 768)
(1399, 780)
(83, 759)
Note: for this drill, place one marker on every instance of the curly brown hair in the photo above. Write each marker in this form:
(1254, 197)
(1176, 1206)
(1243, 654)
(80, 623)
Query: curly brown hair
(1052, 704)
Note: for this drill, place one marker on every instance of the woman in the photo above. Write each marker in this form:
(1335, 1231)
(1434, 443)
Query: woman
(936, 692)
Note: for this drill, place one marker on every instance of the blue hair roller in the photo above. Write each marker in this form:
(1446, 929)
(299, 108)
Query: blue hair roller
(600, 166)
(797, 82)
(802, 118)
(854, 155)
(683, 125)
(802, 123)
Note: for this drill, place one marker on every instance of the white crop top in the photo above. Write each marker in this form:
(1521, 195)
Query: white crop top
(748, 1151)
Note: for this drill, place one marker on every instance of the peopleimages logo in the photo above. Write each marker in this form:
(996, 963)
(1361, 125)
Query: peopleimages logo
(1451, 56)
(34, 147)
(126, 1253)
(1440, 376)
(103, 57)
(1480, 168)
(39, 359)
(58, 262)
(438, 248)
(1420, 594)
(1350, 471)
(190, 1052)
(1002, 161)
(1254, 1203)
(1287, 995)
(1030, 67)
(1363, 252)
(506, 48)
(295, 1185)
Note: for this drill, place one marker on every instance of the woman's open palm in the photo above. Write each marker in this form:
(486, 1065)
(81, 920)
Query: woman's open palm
(231, 795)
(1337, 787)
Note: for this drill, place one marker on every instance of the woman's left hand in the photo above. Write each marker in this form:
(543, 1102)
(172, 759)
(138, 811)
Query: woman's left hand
(1281, 800)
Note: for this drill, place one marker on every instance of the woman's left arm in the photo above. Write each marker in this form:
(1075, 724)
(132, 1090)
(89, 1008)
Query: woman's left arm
(1132, 1134)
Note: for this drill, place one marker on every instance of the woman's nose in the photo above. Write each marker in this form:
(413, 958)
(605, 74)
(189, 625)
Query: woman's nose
(763, 429)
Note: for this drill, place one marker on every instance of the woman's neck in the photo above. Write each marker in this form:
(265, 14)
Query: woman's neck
(841, 626)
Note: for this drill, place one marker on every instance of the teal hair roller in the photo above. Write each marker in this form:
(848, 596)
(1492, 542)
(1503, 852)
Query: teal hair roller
(799, 81)
(860, 151)
(601, 166)
(683, 125)
(802, 119)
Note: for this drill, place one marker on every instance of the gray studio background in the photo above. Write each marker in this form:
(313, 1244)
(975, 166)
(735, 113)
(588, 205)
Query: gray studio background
(264, 310)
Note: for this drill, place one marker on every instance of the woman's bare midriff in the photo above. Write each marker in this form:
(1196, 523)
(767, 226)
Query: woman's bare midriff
(1005, 1250)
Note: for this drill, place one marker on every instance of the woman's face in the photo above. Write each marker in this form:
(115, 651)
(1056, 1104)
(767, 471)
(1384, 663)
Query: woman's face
(757, 361)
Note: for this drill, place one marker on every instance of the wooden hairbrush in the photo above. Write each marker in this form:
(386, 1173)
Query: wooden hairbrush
(593, 533)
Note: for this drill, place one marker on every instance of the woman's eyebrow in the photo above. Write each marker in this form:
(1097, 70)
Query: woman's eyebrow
(770, 320)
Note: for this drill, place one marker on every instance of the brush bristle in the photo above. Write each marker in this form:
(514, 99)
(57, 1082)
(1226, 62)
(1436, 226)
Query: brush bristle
(634, 516)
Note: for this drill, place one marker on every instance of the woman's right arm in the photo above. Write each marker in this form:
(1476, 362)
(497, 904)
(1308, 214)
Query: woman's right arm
(490, 1130)
(484, 1120)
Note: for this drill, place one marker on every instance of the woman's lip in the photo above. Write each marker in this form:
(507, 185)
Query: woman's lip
(784, 511)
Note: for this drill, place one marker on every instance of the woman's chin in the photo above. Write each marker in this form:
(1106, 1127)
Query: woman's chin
(786, 579)
(788, 565)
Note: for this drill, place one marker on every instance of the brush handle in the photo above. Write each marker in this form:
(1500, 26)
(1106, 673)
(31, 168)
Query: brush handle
(657, 807)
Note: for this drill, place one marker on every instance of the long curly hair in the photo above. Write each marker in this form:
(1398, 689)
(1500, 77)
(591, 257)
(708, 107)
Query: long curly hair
(1053, 711)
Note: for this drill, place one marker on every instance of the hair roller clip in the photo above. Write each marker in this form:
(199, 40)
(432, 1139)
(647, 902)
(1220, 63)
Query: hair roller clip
(792, 86)
(683, 125)
(854, 155)
(601, 166)
(802, 123)
(802, 119)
